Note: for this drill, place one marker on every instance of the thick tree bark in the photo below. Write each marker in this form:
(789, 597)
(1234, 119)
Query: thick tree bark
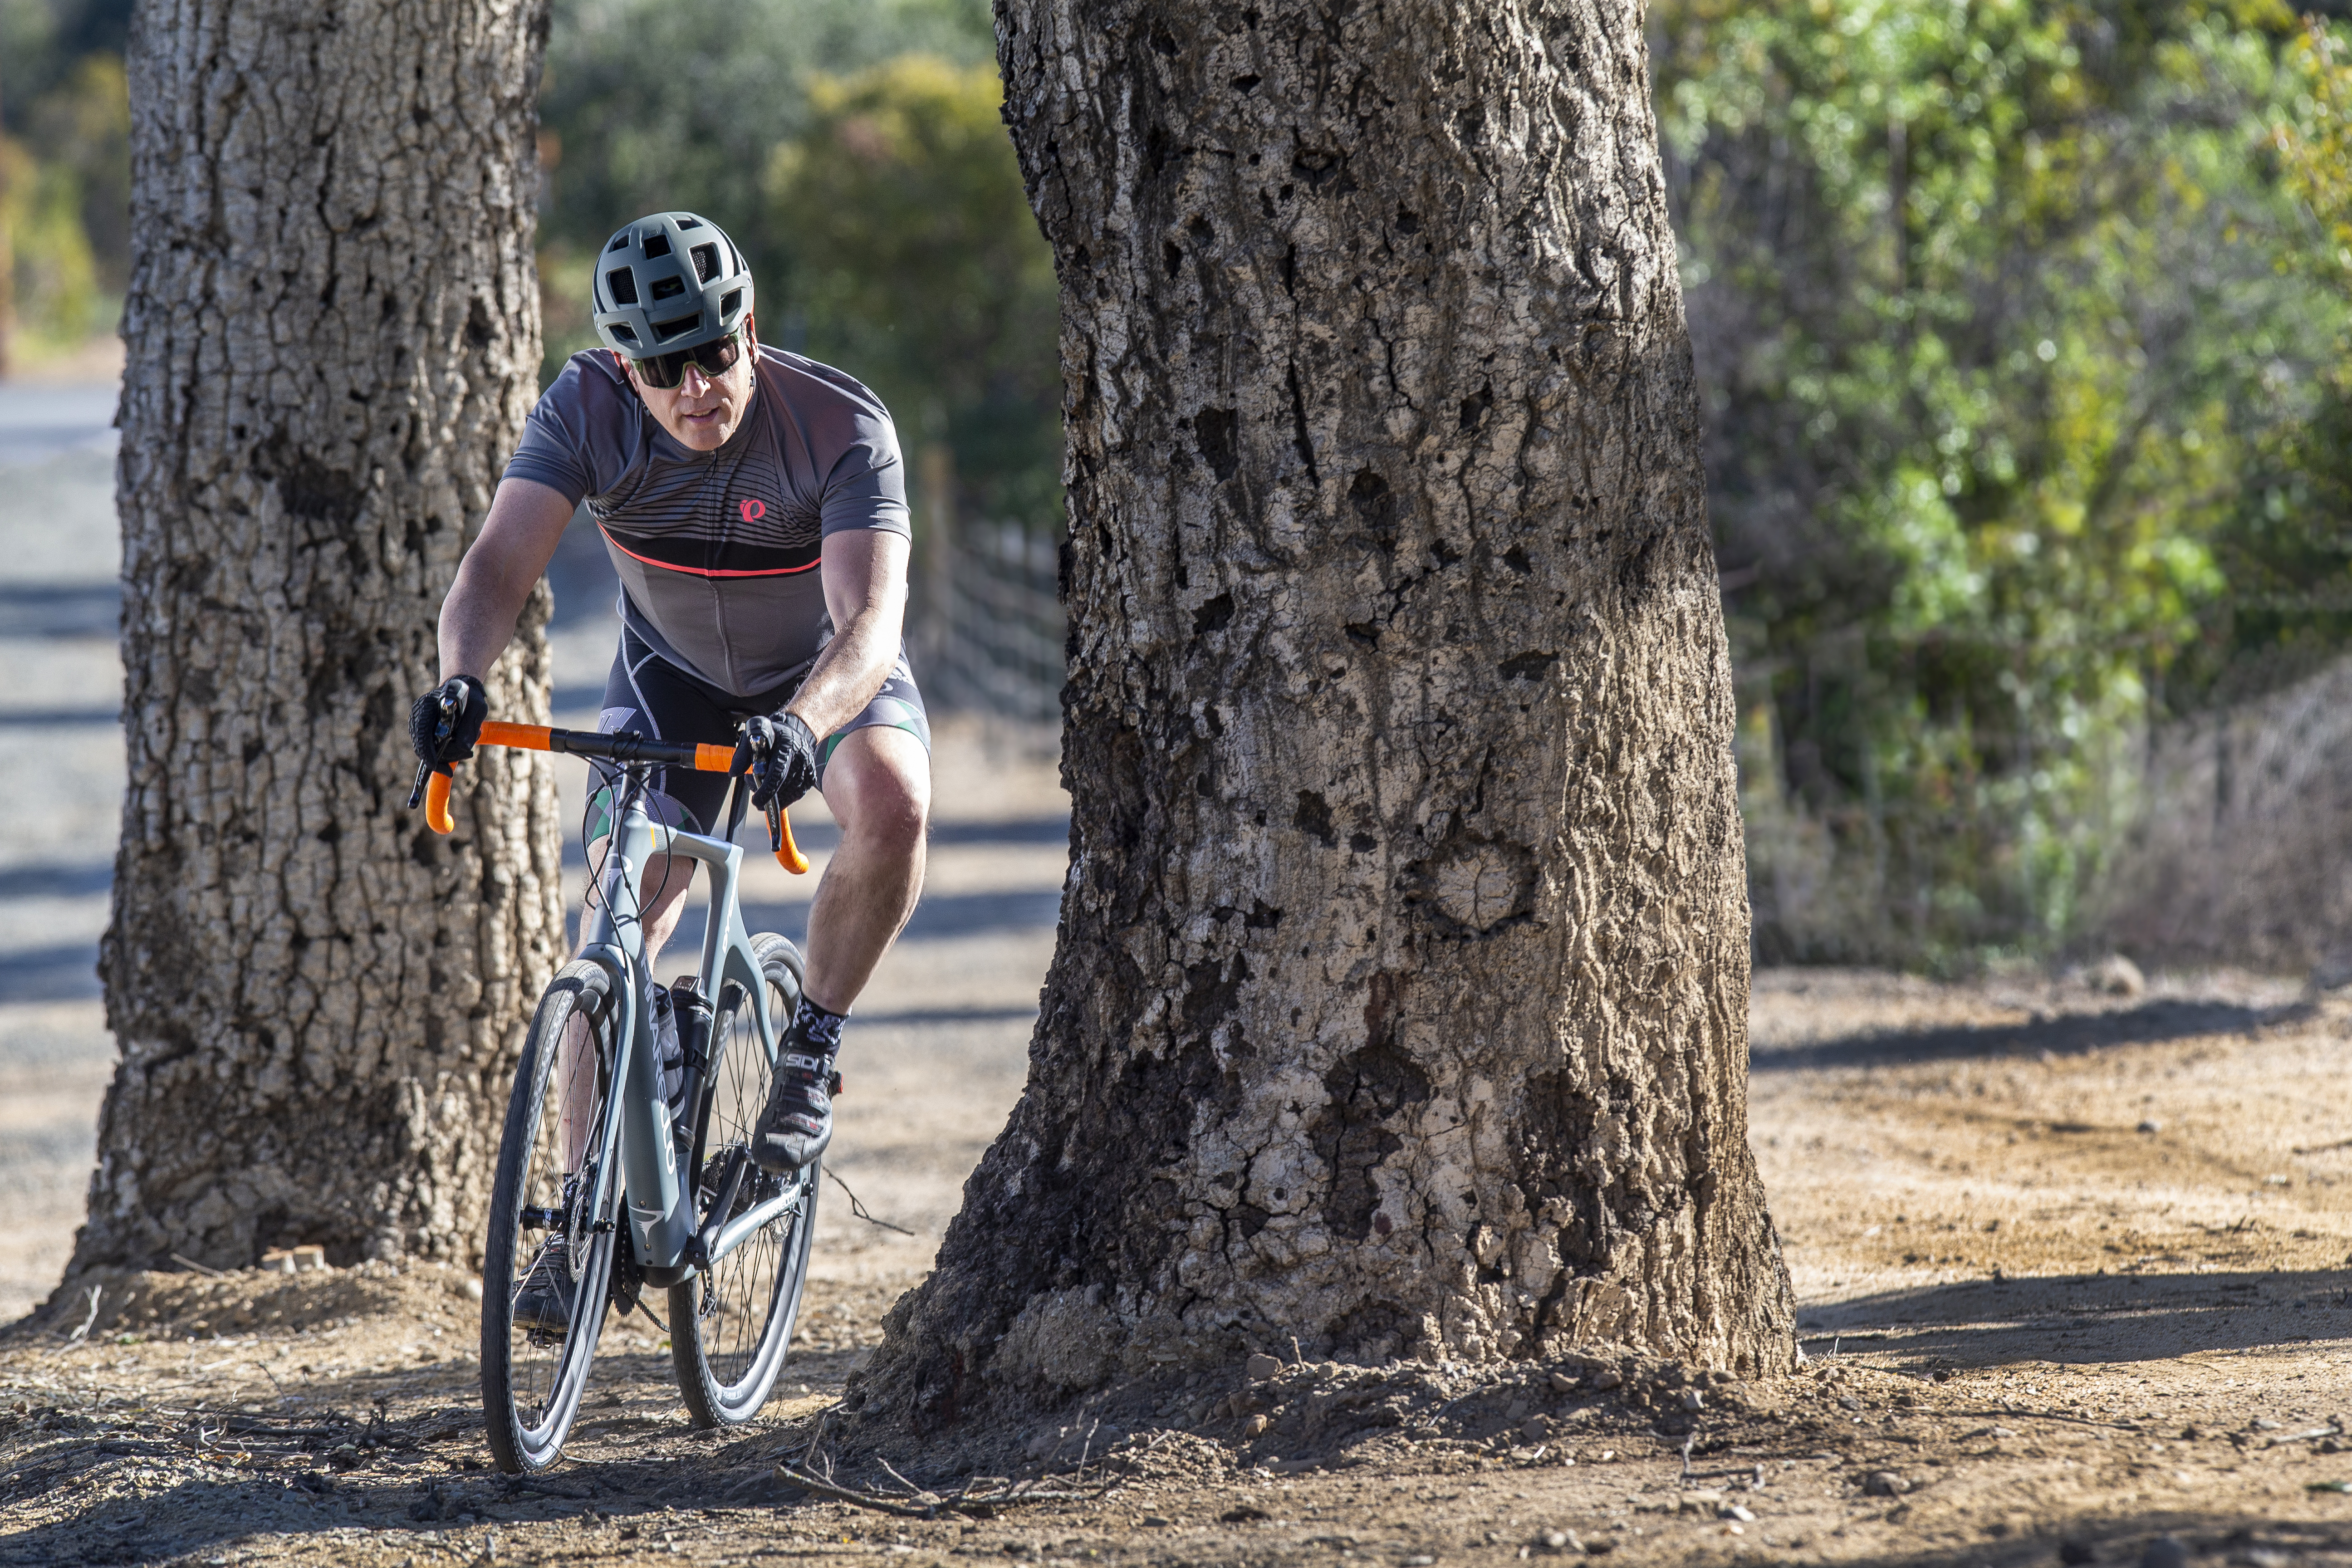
(1400, 998)
(333, 337)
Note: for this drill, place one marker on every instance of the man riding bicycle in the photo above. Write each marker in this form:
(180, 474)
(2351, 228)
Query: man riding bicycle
(754, 506)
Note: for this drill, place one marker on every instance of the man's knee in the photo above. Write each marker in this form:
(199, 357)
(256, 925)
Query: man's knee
(878, 784)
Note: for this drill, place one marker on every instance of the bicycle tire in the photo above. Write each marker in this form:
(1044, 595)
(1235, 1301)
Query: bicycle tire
(532, 1381)
(731, 1324)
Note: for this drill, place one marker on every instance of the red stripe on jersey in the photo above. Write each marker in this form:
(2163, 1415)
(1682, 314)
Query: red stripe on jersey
(709, 571)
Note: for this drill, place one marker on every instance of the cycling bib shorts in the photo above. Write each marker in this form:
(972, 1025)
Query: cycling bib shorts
(647, 695)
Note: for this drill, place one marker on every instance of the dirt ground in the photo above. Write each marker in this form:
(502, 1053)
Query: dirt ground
(2072, 1267)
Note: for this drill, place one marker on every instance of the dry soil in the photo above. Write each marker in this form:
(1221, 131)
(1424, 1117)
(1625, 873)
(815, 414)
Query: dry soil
(2072, 1267)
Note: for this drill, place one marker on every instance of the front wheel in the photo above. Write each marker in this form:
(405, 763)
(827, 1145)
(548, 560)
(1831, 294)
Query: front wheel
(541, 1317)
(729, 1325)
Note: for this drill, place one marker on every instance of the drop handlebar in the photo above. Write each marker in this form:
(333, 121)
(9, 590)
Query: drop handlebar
(622, 747)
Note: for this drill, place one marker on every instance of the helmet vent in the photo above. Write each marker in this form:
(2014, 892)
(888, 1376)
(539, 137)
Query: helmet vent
(666, 281)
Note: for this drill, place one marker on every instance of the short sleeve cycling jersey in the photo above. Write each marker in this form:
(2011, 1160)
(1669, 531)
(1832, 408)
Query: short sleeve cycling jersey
(718, 552)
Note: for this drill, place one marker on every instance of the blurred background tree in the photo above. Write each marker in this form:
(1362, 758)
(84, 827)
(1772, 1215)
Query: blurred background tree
(2023, 327)
(918, 262)
(65, 175)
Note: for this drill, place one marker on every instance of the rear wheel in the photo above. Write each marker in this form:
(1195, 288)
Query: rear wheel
(729, 1325)
(533, 1369)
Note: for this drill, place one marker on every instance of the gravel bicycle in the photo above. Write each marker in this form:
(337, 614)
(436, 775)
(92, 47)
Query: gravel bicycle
(592, 1136)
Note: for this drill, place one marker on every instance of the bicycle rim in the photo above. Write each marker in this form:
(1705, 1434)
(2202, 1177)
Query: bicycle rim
(532, 1378)
(731, 1324)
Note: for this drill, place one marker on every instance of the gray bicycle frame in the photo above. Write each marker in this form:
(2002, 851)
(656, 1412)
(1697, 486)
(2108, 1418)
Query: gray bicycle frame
(661, 1207)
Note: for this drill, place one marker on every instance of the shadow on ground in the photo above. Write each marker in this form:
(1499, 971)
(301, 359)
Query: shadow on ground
(2087, 1318)
(2215, 1537)
(2150, 1023)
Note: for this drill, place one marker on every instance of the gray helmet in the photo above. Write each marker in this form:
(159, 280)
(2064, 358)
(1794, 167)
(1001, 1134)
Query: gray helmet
(666, 283)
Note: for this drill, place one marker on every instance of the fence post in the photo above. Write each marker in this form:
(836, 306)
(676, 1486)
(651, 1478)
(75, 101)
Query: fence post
(935, 564)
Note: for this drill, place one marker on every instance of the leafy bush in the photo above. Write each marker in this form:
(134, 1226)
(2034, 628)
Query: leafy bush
(919, 264)
(2011, 407)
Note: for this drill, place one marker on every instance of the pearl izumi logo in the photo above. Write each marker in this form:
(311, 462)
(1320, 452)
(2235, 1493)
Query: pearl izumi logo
(754, 510)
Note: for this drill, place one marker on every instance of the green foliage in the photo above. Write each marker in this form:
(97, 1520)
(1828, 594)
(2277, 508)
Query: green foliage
(648, 105)
(921, 265)
(1989, 301)
(55, 277)
(65, 172)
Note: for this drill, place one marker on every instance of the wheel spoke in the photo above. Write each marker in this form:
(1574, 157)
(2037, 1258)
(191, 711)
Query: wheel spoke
(730, 1325)
(555, 1267)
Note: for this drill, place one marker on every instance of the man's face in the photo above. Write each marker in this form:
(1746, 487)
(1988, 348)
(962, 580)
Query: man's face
(702, 411)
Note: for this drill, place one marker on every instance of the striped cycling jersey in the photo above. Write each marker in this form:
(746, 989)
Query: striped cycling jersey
(719, 552)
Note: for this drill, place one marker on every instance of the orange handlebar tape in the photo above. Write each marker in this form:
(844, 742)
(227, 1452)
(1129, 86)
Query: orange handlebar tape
(437, 803)
(713, 759)
(789, 856)
(524, 736)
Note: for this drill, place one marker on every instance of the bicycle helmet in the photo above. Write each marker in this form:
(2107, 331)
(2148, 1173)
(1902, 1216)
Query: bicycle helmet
(666, 283)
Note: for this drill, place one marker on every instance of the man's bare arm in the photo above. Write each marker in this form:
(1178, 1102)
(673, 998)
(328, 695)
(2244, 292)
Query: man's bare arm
(494, 580)
(866, 593)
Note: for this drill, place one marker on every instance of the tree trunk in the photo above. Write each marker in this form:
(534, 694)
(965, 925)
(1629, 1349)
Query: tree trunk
(1402, 994)
(333, 341)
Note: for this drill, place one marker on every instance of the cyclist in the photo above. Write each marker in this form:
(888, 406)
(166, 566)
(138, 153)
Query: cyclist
(754, 507)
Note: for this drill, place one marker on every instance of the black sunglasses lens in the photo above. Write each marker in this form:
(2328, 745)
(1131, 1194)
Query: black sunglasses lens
(664, 371)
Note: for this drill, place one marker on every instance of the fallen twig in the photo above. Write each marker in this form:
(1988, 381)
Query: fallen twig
(80, 1333)
(802, 1479)
(2304, 1436)
(808, 1453)
(858, 1209)
(920, 1494)
(984, 1506)
(207, 1271)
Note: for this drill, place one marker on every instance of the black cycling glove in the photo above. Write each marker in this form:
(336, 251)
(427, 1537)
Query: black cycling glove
(462, 697)
(784, 765)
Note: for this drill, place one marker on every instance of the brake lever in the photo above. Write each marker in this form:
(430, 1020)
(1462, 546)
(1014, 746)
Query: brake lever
(441, 731)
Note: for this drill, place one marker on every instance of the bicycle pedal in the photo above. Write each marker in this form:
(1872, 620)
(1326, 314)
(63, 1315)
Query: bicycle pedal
(836, 1088)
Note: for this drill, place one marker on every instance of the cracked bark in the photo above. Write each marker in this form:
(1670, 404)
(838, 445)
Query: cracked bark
(333, 341)
(1400, 997)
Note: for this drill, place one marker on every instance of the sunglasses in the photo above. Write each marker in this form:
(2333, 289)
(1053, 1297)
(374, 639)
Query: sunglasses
(664, 371)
